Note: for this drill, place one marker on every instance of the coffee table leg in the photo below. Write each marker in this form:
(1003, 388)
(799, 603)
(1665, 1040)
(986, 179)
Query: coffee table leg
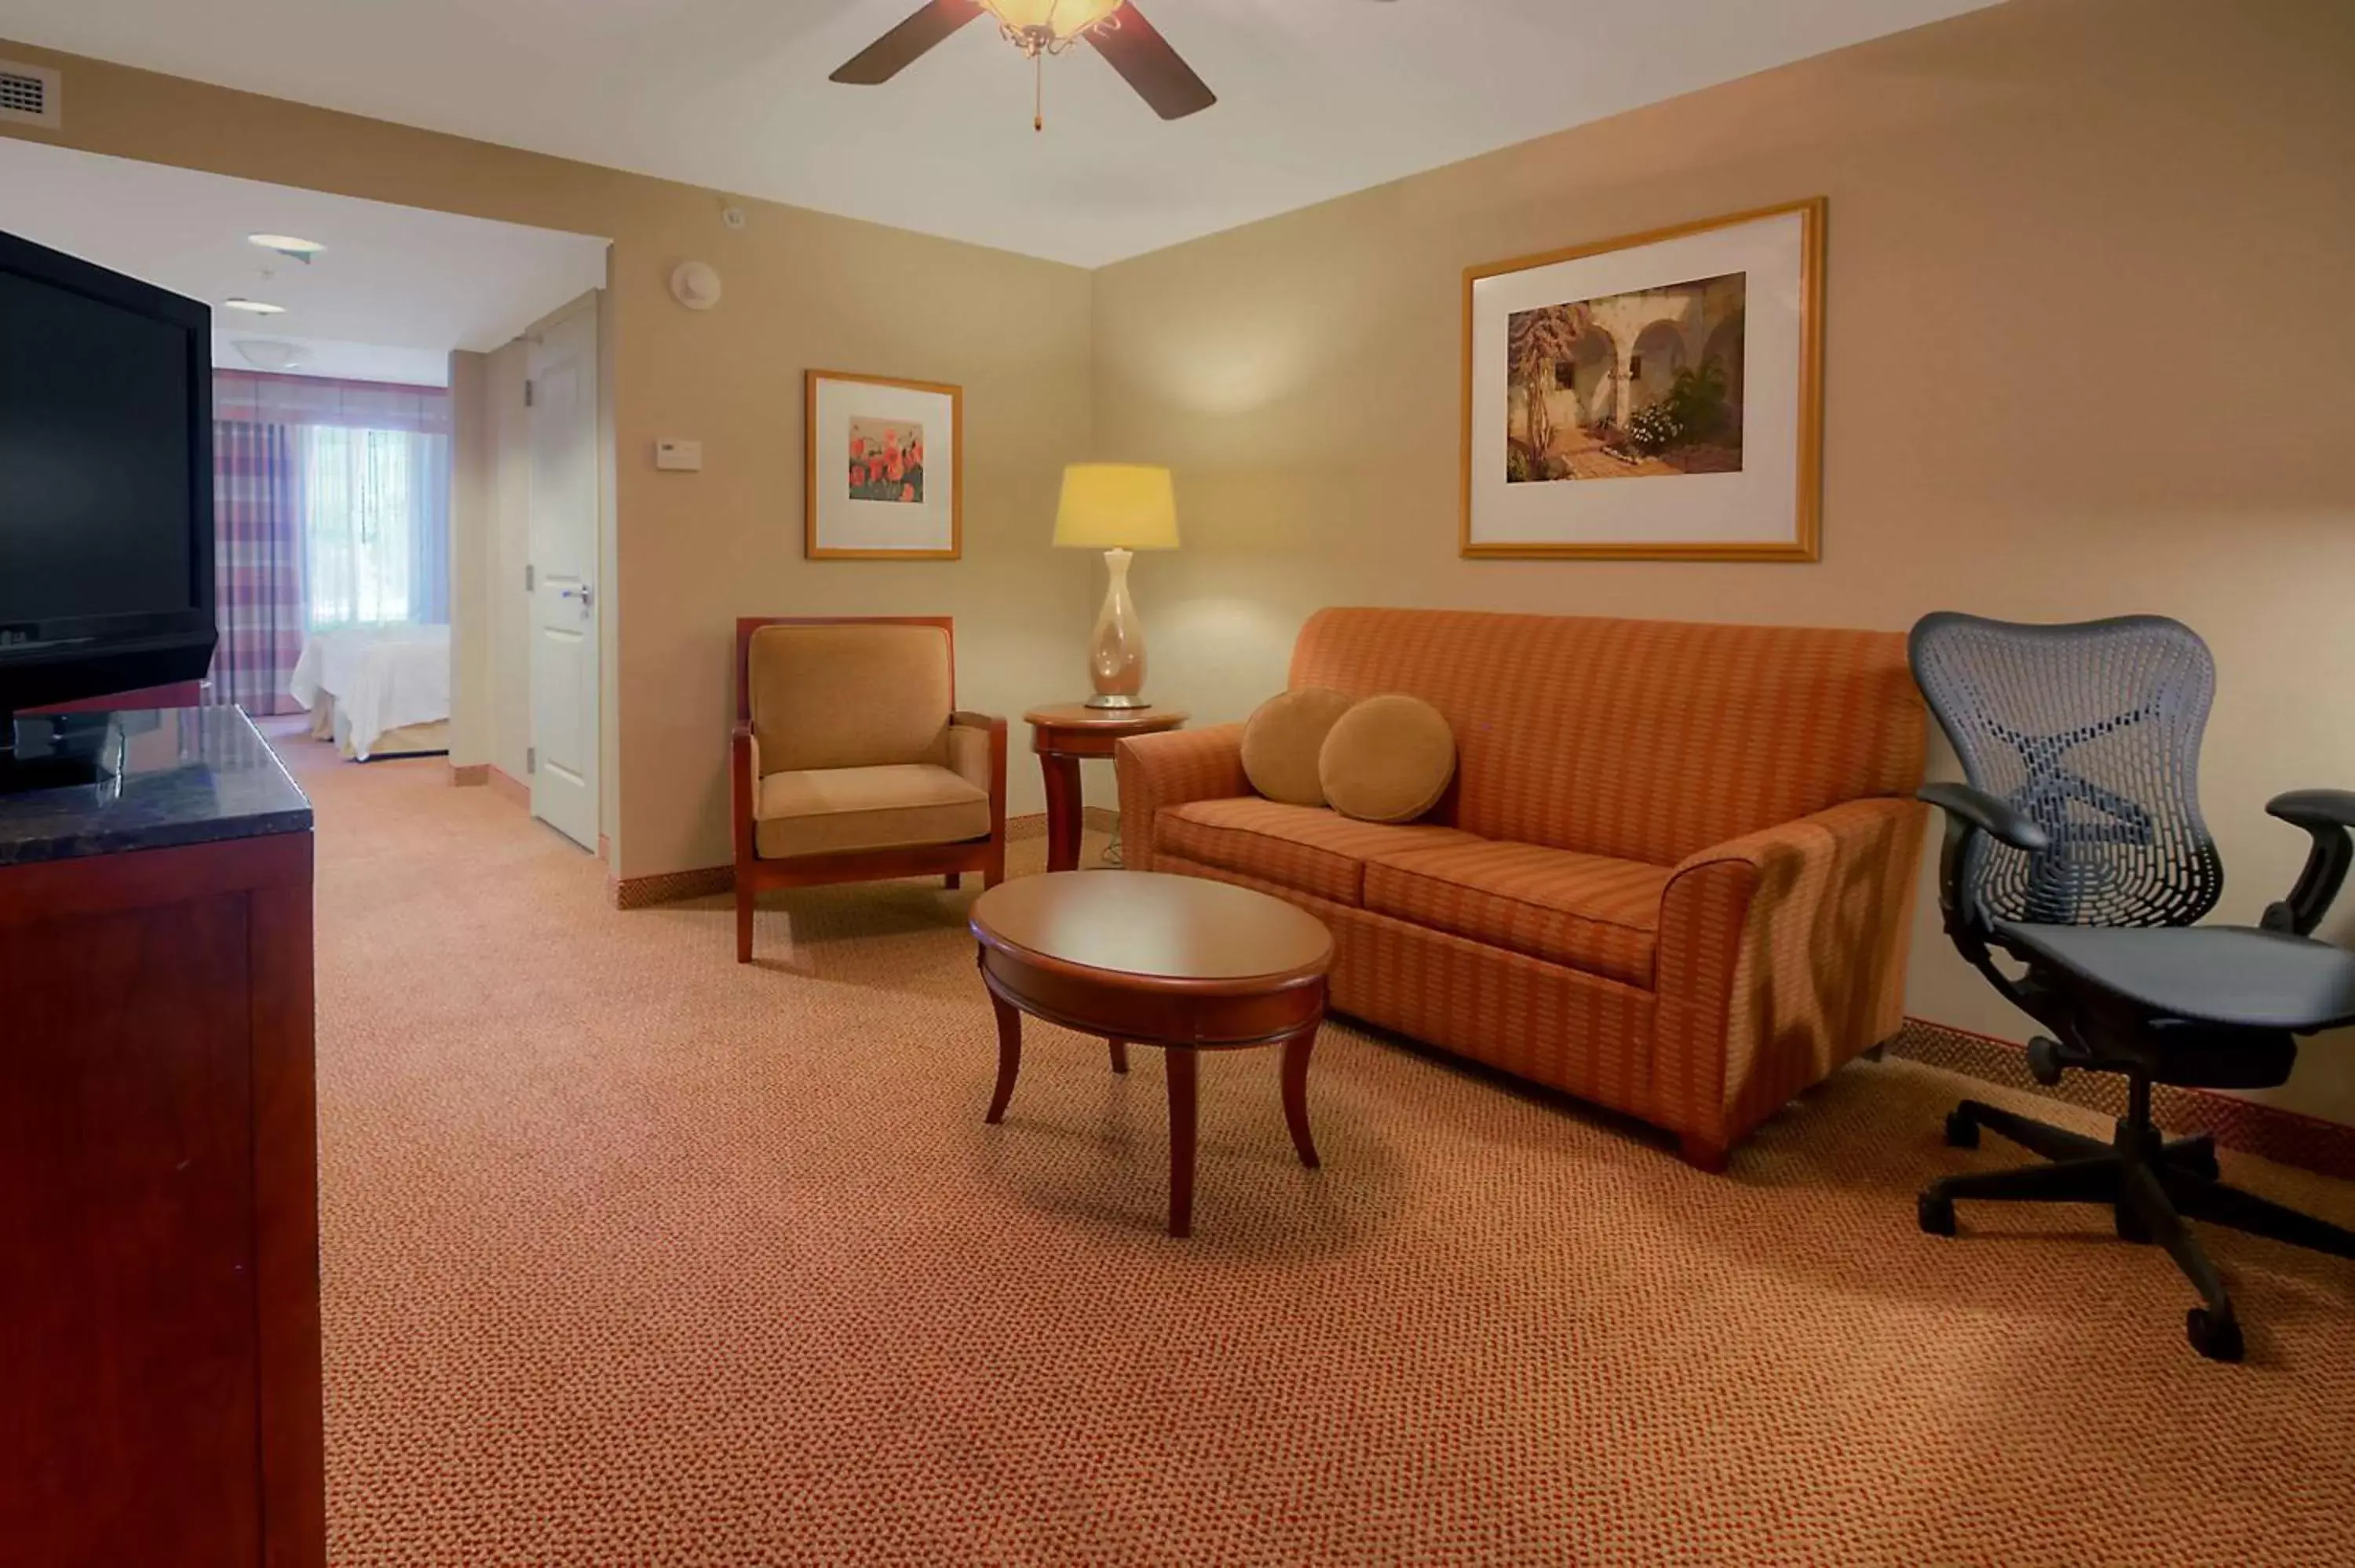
(1010, 1055)
(1181, 1139)
(1296, 1092)
(1119, 1056)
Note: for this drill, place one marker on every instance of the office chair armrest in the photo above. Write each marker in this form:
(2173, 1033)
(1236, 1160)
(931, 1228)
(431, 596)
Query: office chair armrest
(1969, 808)
(2328, 818)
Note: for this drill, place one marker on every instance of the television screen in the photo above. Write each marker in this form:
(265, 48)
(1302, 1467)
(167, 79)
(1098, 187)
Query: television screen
(94, 452)
(106, 483)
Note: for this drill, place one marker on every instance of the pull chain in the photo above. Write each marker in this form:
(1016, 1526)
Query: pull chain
(1039, 93)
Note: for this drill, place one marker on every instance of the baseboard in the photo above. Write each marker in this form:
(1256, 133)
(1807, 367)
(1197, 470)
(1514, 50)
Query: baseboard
(470, 775)
(2271, 1132)
(507, 787)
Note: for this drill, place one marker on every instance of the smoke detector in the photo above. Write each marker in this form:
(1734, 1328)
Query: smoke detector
(696, 285)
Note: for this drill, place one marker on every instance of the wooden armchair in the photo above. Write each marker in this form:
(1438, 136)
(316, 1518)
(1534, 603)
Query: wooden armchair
(852, 762)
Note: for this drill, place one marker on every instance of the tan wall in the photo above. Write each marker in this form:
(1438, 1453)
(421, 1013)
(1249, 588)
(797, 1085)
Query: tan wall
(2083, 358)
(507, 677)
(694, 551)
(473, 518)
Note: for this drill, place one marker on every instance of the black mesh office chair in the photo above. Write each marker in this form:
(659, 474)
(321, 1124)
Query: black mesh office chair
(2077, 848)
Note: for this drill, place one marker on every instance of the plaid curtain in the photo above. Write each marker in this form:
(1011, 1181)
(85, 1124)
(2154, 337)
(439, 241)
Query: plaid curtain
(257, 564)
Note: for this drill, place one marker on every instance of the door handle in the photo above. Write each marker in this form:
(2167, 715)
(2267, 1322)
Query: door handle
(584, 593)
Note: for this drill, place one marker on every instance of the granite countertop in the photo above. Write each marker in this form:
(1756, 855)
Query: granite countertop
(173, 777)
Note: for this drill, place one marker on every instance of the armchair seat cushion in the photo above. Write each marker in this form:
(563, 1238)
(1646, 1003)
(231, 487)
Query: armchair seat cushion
(1585, 911)
(838, 811)
(1311, 849)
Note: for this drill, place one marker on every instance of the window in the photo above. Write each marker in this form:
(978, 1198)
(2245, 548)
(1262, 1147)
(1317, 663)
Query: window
(370, 499)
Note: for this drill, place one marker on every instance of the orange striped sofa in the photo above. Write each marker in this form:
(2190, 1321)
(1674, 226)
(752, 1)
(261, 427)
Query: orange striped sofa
(1674, 874)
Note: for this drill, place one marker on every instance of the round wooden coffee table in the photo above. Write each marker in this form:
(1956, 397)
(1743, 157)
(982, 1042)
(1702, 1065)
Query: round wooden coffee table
(1144, 958)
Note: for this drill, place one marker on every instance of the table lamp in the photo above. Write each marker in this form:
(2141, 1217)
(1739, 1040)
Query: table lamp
(1118, 508)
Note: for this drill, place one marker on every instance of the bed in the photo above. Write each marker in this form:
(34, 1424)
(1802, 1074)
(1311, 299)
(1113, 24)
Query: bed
(376, 691)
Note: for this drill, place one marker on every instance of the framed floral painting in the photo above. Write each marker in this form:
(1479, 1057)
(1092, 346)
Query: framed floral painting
(884, 465)
(1656, 396)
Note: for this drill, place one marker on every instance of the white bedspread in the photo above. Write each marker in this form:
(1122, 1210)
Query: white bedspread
(381, 678)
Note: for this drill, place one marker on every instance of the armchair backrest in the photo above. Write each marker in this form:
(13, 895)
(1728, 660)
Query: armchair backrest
(2093, 731)
(848, 691)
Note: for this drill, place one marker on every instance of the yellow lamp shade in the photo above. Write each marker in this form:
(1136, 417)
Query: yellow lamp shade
(1117, 506)
(1062, 18)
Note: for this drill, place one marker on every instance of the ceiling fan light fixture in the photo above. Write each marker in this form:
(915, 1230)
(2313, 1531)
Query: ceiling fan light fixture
(1048, 27)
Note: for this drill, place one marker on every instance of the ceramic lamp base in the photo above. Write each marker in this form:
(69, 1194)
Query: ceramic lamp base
(1116, 651)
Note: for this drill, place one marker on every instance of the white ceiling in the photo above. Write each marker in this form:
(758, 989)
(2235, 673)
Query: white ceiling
(1318, 98)
(395, 291)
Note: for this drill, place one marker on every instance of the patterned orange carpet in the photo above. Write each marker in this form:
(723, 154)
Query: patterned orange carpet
(634, 1256)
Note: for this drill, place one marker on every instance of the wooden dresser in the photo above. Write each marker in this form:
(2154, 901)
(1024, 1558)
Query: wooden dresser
(158, 1160)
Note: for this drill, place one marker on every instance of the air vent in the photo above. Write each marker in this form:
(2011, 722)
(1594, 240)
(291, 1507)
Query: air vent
(31, 95)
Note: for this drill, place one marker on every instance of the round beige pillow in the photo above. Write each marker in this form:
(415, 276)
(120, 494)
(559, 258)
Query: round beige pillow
(1282, 740)
(1387, 761)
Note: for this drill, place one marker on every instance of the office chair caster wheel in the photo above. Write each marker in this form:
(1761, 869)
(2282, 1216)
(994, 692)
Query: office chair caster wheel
(1937, 1213)
(2044, 1064)
(2216, 1337)
(1962, 1132)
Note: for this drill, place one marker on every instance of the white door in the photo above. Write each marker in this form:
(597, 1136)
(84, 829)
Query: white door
(564, 470)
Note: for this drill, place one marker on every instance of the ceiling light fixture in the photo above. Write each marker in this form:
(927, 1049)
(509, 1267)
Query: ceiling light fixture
(1043, 27)
(291, 246)
(269, 353)
(1048, 27)
(254, 307)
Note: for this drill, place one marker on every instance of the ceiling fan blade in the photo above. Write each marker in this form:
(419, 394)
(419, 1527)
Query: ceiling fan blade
(1144, 57)
(900, 47)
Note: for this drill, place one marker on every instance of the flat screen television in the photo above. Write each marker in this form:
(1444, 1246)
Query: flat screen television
(106, 483)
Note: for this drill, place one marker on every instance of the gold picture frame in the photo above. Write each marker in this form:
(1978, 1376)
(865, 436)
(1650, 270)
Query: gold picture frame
(862, 497)
(1742, 511)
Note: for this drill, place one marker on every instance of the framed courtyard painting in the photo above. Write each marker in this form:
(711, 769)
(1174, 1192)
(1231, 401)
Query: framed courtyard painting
(884, 469)
(1654, 396)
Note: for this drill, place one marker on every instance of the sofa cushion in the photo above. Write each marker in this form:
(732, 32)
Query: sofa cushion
(1308, 848)
(832, 810)
(1585, 911)
(1282, 741)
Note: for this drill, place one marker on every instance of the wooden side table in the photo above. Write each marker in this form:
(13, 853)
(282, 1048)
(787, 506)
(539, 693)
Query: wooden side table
(1062, 736)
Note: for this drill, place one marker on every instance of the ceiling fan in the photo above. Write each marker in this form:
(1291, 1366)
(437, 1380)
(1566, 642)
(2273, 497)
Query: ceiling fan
(1114, 28)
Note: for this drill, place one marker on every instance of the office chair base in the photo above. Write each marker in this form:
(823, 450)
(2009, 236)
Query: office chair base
(2151, 1186)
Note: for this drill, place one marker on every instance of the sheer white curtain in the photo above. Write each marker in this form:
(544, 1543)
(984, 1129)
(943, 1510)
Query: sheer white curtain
(375, 525)
(366, 491)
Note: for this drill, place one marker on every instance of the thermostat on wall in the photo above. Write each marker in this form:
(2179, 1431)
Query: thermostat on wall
(685, 455)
